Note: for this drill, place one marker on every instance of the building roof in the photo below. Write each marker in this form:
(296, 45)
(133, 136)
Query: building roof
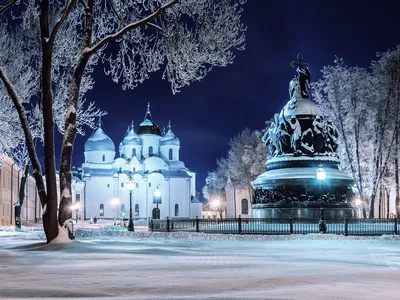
(131, 138)
(99, 140)
(170, 138)
(148, 126)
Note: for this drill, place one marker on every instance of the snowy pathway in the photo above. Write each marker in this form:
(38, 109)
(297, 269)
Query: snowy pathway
(138, 267)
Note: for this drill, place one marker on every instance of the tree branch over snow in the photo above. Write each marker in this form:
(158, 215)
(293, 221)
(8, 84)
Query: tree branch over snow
(131, 26)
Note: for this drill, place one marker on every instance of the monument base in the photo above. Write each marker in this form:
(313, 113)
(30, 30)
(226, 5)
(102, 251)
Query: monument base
(313, 211)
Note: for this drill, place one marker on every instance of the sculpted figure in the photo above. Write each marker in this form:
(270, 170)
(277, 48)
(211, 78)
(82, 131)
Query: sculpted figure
(319, 138)
(304, 76)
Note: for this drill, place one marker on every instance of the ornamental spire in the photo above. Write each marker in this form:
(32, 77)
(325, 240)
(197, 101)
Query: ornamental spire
(148, 113)
(169, 125)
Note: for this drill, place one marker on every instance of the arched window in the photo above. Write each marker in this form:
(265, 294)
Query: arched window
(176, 210)
(136, 210)
(122, 210)
(170, 154)
(245, 207)
(133, 152)
(104, 157)
(150, 151)
(122, 184)
(101, 210)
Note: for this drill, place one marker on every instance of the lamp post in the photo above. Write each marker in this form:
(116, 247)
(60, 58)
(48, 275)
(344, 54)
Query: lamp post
(131, 186)
(157, 199)
(321, 176)
(115, 202)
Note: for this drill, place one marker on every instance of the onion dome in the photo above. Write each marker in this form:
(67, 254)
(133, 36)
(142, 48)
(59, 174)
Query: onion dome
(148, 126)
(99, 140)
(131, 138)
(169, 138)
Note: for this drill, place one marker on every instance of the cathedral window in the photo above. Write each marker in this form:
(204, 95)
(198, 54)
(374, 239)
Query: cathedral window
(101, 210)
(122, 184)
(149, 184)
(104, 157)
(77, 197)
(133, 152)
(170, 154)
(176, 210)
(136, 210)
(122, 210)
(137, 184)
(108, 185)
(150, 151)
(245, 207)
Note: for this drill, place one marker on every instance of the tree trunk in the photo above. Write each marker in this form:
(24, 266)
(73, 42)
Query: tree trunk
(65, 212)
(37, 169)
(396, 173)
(21, 197)
(50, 214)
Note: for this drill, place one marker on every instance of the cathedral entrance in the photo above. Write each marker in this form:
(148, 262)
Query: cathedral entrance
(156, 213)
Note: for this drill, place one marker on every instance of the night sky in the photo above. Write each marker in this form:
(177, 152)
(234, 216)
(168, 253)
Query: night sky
(207, 114)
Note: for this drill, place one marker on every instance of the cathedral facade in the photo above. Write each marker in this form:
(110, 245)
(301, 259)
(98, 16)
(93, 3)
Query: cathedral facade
(149, 160)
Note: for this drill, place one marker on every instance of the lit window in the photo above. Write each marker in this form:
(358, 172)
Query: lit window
(245, 207)
(176, 210)
(136, 210)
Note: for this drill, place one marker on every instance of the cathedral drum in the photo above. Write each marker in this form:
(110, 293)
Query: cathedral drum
(302, 143)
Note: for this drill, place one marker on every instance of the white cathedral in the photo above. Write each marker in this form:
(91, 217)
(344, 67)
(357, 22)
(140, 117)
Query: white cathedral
(163, 186)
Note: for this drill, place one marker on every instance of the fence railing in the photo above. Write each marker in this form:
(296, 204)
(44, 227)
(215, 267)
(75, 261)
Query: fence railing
(277, 226)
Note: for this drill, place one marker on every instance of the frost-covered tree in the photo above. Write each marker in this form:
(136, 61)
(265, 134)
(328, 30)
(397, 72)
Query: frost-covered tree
(364, 104)
(183, 38)
(245, 160)
(214, 190)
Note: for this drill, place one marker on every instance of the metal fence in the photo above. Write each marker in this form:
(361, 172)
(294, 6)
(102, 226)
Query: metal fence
(277, 226)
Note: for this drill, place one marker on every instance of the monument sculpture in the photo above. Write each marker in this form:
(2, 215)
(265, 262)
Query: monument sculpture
(301, 141)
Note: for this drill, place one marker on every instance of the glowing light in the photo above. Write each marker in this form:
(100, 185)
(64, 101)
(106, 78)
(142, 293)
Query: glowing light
(115, 201)
(130, 185)
(157, 193)
(321, 174)
(358, 201)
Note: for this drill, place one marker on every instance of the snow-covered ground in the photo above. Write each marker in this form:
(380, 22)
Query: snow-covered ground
(108, 261)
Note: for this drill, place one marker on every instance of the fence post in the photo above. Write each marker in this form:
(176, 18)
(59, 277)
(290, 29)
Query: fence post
(151, 225)
(167, 224)
(346, 227)
(395, 225)
(291, 224)
(240, 224)
(197, 224)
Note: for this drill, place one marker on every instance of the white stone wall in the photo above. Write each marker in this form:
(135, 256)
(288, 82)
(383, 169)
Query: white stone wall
(97, 157)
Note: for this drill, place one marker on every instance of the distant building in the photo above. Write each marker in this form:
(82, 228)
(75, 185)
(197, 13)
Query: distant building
(149, 158)
(10, 179)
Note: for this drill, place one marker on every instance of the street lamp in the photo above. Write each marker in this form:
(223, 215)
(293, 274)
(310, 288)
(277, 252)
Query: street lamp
(216, 203)
(321, 176)
(115, 202)
(75, 207)
(131, 186)
(157, 199)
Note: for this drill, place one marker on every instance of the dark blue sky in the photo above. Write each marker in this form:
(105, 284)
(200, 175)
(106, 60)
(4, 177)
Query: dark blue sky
(206, 114)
